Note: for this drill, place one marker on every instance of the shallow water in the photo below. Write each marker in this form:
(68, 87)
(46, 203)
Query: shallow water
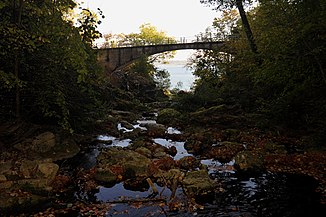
(181, 151)
(263, 195)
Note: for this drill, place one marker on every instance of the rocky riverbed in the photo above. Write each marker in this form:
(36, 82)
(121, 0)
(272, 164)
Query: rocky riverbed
(143, 168)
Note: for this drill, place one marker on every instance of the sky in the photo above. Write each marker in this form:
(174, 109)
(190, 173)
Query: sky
(178, 18)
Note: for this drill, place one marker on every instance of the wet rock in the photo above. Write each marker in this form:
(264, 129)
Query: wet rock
(136, 185)
(172, 151)
(158, 151)
(34, 185)
(247, 161)
(199, 143)
(136, 133)
(195, 147)
(3, 178)
(43, 142)
(188, 163)
(64, 150)
(31, 175)
(47, 145)
(198, 183)
(133, 163)
(40, 144)
(157, 166)
(144, 151)
(127, 125)
(105, 175)
(28, 168)
(141, 142)
(48, 170)
(154, 130)
(168, 116)
(170, 178)
(225, 151)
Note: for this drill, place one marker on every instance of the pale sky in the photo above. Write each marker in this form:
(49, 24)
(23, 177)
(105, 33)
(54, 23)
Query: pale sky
(178, 18)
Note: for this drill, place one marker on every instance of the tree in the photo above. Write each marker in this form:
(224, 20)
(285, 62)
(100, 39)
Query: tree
(228, 4)
(88, 22)
(288, 87)
(48, 60)
(148, 35)
(291, 81)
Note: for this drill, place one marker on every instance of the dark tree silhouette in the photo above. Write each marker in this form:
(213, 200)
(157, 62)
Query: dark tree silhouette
(224, 4)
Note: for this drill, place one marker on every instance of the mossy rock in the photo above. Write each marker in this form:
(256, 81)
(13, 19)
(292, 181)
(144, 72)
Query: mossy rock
(132, 163)
(198, 183)
(249, 162)
(168, 116)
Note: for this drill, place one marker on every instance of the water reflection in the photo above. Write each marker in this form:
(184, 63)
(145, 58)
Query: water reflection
(181, 151)
(264, 195)
(110, 141)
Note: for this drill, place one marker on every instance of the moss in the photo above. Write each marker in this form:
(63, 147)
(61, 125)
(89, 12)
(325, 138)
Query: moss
(168, 116)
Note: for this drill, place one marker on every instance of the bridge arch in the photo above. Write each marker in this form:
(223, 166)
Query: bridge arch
(115, 58)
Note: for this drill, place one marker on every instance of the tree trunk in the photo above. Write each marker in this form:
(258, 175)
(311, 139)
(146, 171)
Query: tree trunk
(246, 27)
(17, 20)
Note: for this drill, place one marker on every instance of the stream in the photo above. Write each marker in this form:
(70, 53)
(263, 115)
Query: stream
(265, 194)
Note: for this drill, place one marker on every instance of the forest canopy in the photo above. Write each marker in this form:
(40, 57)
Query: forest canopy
(287, 85)
(40, 45)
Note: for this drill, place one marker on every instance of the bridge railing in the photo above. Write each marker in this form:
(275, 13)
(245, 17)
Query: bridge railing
(179, 40)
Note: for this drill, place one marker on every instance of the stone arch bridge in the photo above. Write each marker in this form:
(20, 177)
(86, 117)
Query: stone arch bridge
(115, 58)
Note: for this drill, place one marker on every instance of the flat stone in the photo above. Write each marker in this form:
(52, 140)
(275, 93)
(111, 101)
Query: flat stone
(48, 170)
(3, 178)
(44, 142)
(27, 168)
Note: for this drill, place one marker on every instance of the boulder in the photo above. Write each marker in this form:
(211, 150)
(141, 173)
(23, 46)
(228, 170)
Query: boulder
(44, 142)
(168, 116)
(157, 166)
(225, 151)
(105, 175)
(47, 145)
(132, 163)
(154, 130)
(250, 162)
(198, 183)
(48, 170)
(27, 168)
(127, 125)
(188, 163)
